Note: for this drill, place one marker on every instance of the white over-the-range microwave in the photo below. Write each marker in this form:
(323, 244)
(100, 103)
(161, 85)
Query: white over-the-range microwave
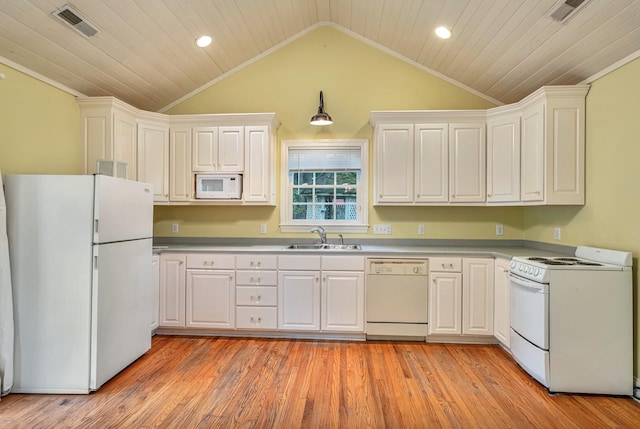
(218, 186)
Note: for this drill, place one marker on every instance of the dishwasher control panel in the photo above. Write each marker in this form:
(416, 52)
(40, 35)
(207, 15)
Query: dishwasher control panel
(409, 267)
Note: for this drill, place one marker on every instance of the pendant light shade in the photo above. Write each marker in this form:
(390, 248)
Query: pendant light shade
(321, 118)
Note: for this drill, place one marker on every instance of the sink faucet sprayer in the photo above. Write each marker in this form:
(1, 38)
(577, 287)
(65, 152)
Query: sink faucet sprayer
(321, 233)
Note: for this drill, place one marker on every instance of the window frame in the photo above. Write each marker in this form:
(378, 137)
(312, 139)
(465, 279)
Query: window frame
(288, 224)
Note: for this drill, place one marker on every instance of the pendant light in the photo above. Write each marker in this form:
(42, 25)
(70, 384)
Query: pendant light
(321, 118)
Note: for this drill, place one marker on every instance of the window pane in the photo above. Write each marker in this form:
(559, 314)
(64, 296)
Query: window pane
(300, 211)
(302, 178)
(346, 212)
(347, 178)
(325, 178)
(323, 211)
(302, 195)
(324, 195)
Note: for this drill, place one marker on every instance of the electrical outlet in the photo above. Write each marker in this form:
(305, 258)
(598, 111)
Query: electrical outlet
(499, 229)
(263, 228)
(422, 229)
(556, 233)
(174, 228)
(382, 229)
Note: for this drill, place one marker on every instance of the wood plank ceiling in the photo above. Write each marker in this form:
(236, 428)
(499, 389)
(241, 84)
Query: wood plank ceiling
(144, 51)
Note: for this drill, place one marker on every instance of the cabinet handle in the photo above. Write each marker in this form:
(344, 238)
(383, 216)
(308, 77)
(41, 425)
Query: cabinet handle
(317, 279)
(254, 320)
(254, 298)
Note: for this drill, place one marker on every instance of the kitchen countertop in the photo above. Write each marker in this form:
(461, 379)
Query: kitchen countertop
(396, 248)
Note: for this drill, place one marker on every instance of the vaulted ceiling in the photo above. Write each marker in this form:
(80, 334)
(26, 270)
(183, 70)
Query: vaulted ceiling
(144, 51)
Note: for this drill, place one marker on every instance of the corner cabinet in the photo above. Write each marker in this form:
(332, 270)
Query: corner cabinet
(502, 303)
(527, 153)
(167, 151)
(553, 146)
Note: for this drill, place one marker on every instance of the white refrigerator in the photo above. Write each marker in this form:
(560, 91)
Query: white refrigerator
(80, 250)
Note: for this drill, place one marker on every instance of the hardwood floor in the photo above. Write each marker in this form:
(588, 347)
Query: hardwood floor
(208, 382)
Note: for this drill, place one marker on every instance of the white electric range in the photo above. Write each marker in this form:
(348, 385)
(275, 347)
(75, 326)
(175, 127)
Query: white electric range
(572, 320)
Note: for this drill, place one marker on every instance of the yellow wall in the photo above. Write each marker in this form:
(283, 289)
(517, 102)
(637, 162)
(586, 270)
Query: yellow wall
(610, 216)
(356, 79)
(39, 127)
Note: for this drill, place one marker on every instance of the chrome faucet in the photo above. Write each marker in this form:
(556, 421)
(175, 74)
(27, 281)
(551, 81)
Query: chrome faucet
(321, 233)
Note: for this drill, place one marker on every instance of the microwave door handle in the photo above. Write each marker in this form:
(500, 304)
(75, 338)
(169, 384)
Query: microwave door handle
(538, 287)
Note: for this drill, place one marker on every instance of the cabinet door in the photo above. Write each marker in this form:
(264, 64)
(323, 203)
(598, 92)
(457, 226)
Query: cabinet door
(532, 153)
(342, 301)
(477, 296)
(257, 181)
(299, 300)
(125, 147)
(445, 303)
(230, 149)
(432, 163)
(204, 150)
(180, 176)
(153, 159)
(394, 164)
(210, 299)
(155, 291)
(502, 303)
(172, 290)
(467, 161)
(503, 159)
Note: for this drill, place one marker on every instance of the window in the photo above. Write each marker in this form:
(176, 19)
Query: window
(324, 182)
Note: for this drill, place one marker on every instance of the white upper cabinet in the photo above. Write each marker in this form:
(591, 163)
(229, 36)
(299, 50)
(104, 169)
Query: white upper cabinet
(180, 183)
(503, 157)
(153, 157)
(553, 145)
(109, 132)
(467, 163)
(431, 163)
(435, 158)
(394, 164)
(218, 149)
(526, 153)
(259, 182)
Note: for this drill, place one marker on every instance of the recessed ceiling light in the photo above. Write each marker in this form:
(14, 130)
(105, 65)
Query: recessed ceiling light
(443, 33)
(203, 41)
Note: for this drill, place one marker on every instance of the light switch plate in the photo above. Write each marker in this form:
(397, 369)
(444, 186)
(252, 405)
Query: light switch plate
(422, 229)
(499, 229)
(263, 228)
(556, 233)
(174, 228)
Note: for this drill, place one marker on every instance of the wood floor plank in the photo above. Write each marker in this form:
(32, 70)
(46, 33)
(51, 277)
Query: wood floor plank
(209, 382)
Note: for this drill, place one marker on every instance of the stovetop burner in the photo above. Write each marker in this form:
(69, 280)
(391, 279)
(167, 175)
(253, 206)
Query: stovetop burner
(562, 261)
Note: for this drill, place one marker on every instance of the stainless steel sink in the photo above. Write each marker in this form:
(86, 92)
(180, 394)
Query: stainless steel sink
(324, 247)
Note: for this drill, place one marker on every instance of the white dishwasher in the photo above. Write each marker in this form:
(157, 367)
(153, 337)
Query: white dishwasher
(397, 298)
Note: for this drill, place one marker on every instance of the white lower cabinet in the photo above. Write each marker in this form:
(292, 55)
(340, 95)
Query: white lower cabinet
(256, 292)
(155, 291)
(172, 290)
(342, 294)
(210, 291)
(461, 296)
(477, 296)
(502, 303)
(299, 293)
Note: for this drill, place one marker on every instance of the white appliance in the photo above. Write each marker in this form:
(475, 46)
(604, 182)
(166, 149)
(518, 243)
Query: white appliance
(397, 298)
(80, 250)
(572, 320)
(6, 304)
(219, 186)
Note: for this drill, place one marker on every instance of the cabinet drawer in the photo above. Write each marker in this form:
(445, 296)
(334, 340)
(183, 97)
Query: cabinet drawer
(445, 264)
(297, 262)
(257, 278)
(256, 296)
(343, 263)
(257, 318)
(256, 262)
(211, 261)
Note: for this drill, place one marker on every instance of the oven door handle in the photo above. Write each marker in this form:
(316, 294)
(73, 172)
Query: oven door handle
(538, 287)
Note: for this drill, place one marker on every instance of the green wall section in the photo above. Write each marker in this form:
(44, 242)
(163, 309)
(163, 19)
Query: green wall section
(356, 78)
(39, 127)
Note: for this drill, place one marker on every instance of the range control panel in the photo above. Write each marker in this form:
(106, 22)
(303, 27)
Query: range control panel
(409, 267)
